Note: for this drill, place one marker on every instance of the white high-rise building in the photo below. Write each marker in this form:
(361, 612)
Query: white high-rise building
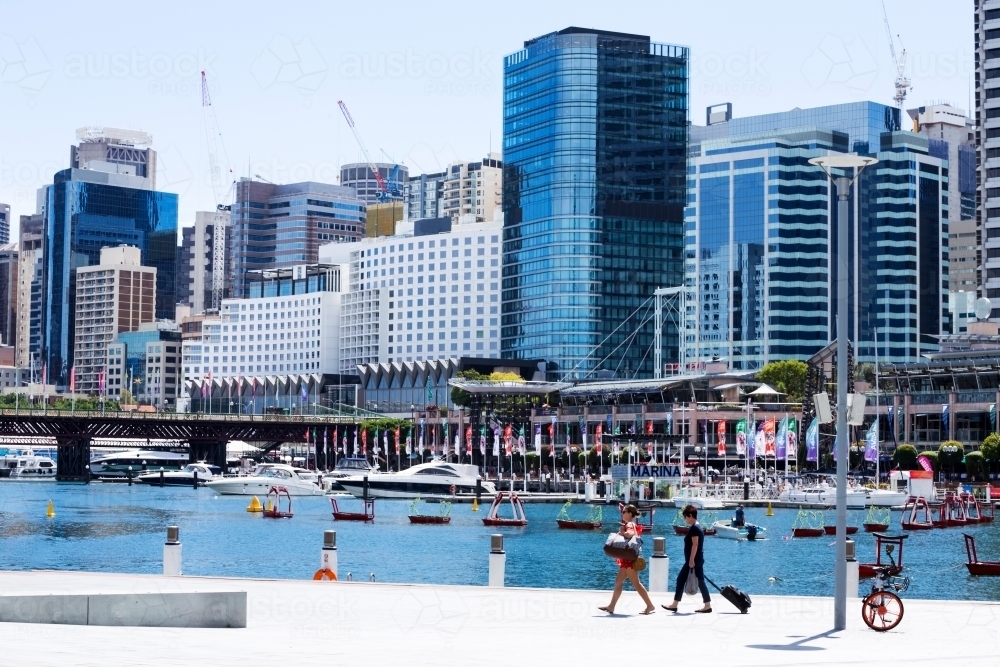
(432, 294)
(987, 45)
(471, 191)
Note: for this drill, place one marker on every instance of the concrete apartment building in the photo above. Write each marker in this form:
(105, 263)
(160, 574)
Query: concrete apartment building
(463, 189)
(29, 292)
(987, 100)
(4, 223)
(201, 261)
(114, 296)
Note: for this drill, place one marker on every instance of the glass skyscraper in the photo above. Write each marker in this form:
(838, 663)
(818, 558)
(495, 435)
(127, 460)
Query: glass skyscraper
(87, 210)
(595, 132)
(760, 253)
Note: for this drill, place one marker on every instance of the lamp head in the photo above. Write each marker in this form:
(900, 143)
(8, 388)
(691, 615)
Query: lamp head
(983, 308)
(842, 161)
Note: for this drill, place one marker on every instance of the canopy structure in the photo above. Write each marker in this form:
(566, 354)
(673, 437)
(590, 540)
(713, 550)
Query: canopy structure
(764, 390)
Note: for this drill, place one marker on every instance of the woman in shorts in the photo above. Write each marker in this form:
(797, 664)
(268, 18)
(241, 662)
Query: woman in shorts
(628, 537)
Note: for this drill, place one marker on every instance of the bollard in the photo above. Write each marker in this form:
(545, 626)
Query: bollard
(161, 477)
(853, 571)
(652, 489)
(328, 556)
(195, 485)
(172, 553)
(746, 490)
(129, 475)
(588, 492)
(498, 561)
(371, 577)
(364, 489)
(659, 566)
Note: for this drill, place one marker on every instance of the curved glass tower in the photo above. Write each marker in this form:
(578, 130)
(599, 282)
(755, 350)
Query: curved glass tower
(595, 132)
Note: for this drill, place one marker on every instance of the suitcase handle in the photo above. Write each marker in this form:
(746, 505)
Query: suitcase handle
(713, 584)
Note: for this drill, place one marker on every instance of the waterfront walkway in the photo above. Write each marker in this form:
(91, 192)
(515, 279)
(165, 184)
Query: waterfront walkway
(362, 623)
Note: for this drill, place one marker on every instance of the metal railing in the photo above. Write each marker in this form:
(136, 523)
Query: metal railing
(181, 416)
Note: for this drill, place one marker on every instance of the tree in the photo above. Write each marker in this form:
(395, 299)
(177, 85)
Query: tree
(991, 448)
(788, 377)
(461, 397)
(905, 457)
(866, 372)
(947, 458)
(974, 465)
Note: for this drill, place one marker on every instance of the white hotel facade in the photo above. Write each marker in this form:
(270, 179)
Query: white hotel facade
(430, 292)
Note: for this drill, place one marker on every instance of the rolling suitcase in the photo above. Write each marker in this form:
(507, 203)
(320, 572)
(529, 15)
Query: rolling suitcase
(738, 598)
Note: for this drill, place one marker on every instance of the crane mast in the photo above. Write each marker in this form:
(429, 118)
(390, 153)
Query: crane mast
(901, 83)
(382, 187)
(221, 218)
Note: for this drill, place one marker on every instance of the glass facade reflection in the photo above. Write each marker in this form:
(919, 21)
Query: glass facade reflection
(760, 254)
(595, 131)
(87, 211)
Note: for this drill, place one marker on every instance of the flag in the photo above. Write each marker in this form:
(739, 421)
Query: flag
(422, 433)
(496, 441)
(610, 424)
(482, 441)
(769, 449)
(101, 381)
(552, 434)
(72, 379)
(812, 441)
(396, 440)
(670, 424)
(520, 441)
(871, 442)
(336, 442)
(792, 438)
(444, 441)
(355, 440)
(597, 437)
(409, 442)
(892, 423)
(385, 441)
(756, 445)
(45, 373)
(364, 442)
(741, 437)
(507, 438)
(305, 393)
(944, 419)
(781, 440)
(458, 441)
(720, 431)
(468, 441)
(538, 436)
(583, 431)
(649, 428)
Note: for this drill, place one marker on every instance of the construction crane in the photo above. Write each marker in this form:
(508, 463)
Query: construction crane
(902, 83)
(221, 218)
(383, 189)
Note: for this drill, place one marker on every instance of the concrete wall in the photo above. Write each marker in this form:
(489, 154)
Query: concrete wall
(166, 610)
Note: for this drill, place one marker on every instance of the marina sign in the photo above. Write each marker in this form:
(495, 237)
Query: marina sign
(643, 471)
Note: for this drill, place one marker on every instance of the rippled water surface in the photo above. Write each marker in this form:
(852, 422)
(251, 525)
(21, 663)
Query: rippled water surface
(117, 528)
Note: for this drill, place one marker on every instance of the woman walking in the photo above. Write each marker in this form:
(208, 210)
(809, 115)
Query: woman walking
(627, 537)
(694, 561)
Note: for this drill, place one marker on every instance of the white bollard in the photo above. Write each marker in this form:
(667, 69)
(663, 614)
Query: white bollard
(172, 553)
(328, 556)
(498, 561)
(853, 572)
(659, 566)
(588, 491)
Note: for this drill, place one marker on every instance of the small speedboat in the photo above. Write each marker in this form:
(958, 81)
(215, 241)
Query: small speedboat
(748, 532)
(191, 474)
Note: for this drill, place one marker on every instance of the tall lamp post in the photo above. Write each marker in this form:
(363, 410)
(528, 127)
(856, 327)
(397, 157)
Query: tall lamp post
(843, 183)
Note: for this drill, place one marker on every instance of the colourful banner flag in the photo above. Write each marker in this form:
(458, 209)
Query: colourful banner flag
(871, 442)
(812, 442)
(741, 437)
(756, 445)
(769, 449)
(781, 440)
(720, 432)
(791, 438)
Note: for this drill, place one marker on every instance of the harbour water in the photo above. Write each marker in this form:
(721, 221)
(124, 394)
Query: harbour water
(117, 528)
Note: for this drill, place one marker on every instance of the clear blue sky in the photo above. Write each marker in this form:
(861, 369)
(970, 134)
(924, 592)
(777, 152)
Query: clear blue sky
(423, 80)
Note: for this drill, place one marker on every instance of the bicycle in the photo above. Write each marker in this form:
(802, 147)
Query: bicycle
(882, 609)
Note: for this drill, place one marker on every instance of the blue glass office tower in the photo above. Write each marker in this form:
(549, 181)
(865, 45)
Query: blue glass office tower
(760, 253)
(87, 210)
(595, 132)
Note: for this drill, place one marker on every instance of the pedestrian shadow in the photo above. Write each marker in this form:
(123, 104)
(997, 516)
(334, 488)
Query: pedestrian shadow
(799, 645)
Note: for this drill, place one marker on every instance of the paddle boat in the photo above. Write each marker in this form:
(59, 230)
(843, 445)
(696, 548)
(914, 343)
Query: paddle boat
(888, 543)
(592, 522)
(988, 568)
(443, 516)
(272, 509)
(493, 518)
(367, 515)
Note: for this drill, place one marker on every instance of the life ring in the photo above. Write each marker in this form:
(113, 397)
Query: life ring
(325, 574)
(451, 489)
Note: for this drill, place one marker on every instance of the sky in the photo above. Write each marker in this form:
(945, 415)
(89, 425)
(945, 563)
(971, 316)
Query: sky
(423, 80)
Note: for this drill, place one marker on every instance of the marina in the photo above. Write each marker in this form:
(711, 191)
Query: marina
(119, 528)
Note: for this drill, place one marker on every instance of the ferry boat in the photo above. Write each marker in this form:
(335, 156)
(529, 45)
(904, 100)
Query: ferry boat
(28, 467)
(136, 461)
(437, 477)
(263, 477)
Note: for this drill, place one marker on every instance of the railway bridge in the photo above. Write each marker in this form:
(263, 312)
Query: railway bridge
(205, 435)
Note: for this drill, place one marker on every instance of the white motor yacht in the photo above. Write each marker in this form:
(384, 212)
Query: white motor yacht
(885, 497)
(437, 477)
(136, 461)
(823, 494)
(347, 467)
(184, 477)
(748, 532)
(264, 477)
(29, 467)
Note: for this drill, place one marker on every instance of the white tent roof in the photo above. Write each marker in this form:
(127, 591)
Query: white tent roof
(764, 390)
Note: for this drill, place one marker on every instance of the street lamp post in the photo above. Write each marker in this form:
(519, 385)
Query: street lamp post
(843, 183)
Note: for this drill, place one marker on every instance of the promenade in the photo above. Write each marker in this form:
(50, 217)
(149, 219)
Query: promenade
(362, 623)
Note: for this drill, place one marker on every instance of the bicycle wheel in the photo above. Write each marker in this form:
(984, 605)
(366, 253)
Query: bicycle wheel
(882, 610)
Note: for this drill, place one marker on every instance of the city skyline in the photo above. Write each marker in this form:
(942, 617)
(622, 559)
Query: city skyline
(285, 78)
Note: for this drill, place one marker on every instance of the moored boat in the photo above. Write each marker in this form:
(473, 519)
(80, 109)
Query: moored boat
(976, 567)
(832, 530)
(263, 478)
(748, 532)
(808, 532)
(193, 473)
